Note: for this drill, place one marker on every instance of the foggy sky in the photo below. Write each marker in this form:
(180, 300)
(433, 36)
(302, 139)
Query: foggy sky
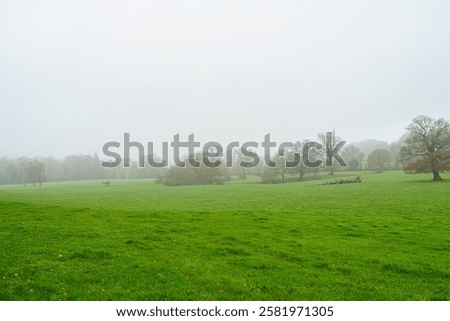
(76, 74)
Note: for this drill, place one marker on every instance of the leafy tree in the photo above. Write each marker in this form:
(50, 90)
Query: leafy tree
(10, 171)
(379, 159)
(270, 175)
(34, 171)
(79, 167)
(353, 156)
(301, 169)
(237, 169)
(367, 146)
(428, 146)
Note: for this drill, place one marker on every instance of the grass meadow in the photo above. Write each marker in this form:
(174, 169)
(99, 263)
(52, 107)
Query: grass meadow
(387, 238)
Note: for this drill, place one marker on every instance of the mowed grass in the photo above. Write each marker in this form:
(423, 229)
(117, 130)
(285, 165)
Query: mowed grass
(387, 238)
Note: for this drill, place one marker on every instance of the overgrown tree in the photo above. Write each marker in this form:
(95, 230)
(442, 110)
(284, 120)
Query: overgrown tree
(428, 146)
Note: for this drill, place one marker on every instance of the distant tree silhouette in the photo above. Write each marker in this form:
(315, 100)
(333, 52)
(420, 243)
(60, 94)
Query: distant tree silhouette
(379, 159)
(353, 156)
(35, 172)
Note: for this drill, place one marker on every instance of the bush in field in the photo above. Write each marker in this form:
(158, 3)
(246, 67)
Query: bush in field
(270, 175)
(190, 175)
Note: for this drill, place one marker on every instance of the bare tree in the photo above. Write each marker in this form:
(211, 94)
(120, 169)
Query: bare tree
(428, 146)
(330, 145)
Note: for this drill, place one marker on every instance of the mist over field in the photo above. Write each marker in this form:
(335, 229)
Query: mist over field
(75, 75)
(355, 206)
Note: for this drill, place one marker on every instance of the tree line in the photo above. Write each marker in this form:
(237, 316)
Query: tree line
(425, 148)
(25, 170)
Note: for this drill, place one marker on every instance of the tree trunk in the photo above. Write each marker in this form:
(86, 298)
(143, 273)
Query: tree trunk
(436, 176)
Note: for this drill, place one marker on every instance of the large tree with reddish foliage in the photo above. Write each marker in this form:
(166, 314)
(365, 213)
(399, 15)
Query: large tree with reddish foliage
(428, 146)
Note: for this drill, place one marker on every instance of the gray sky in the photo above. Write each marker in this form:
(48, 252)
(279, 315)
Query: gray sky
(76, 74)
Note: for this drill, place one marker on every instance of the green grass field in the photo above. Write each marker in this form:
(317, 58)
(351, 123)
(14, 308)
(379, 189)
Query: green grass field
(387, 238)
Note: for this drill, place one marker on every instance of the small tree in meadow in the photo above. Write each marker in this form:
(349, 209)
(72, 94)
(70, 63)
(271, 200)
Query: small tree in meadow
(379, 160)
